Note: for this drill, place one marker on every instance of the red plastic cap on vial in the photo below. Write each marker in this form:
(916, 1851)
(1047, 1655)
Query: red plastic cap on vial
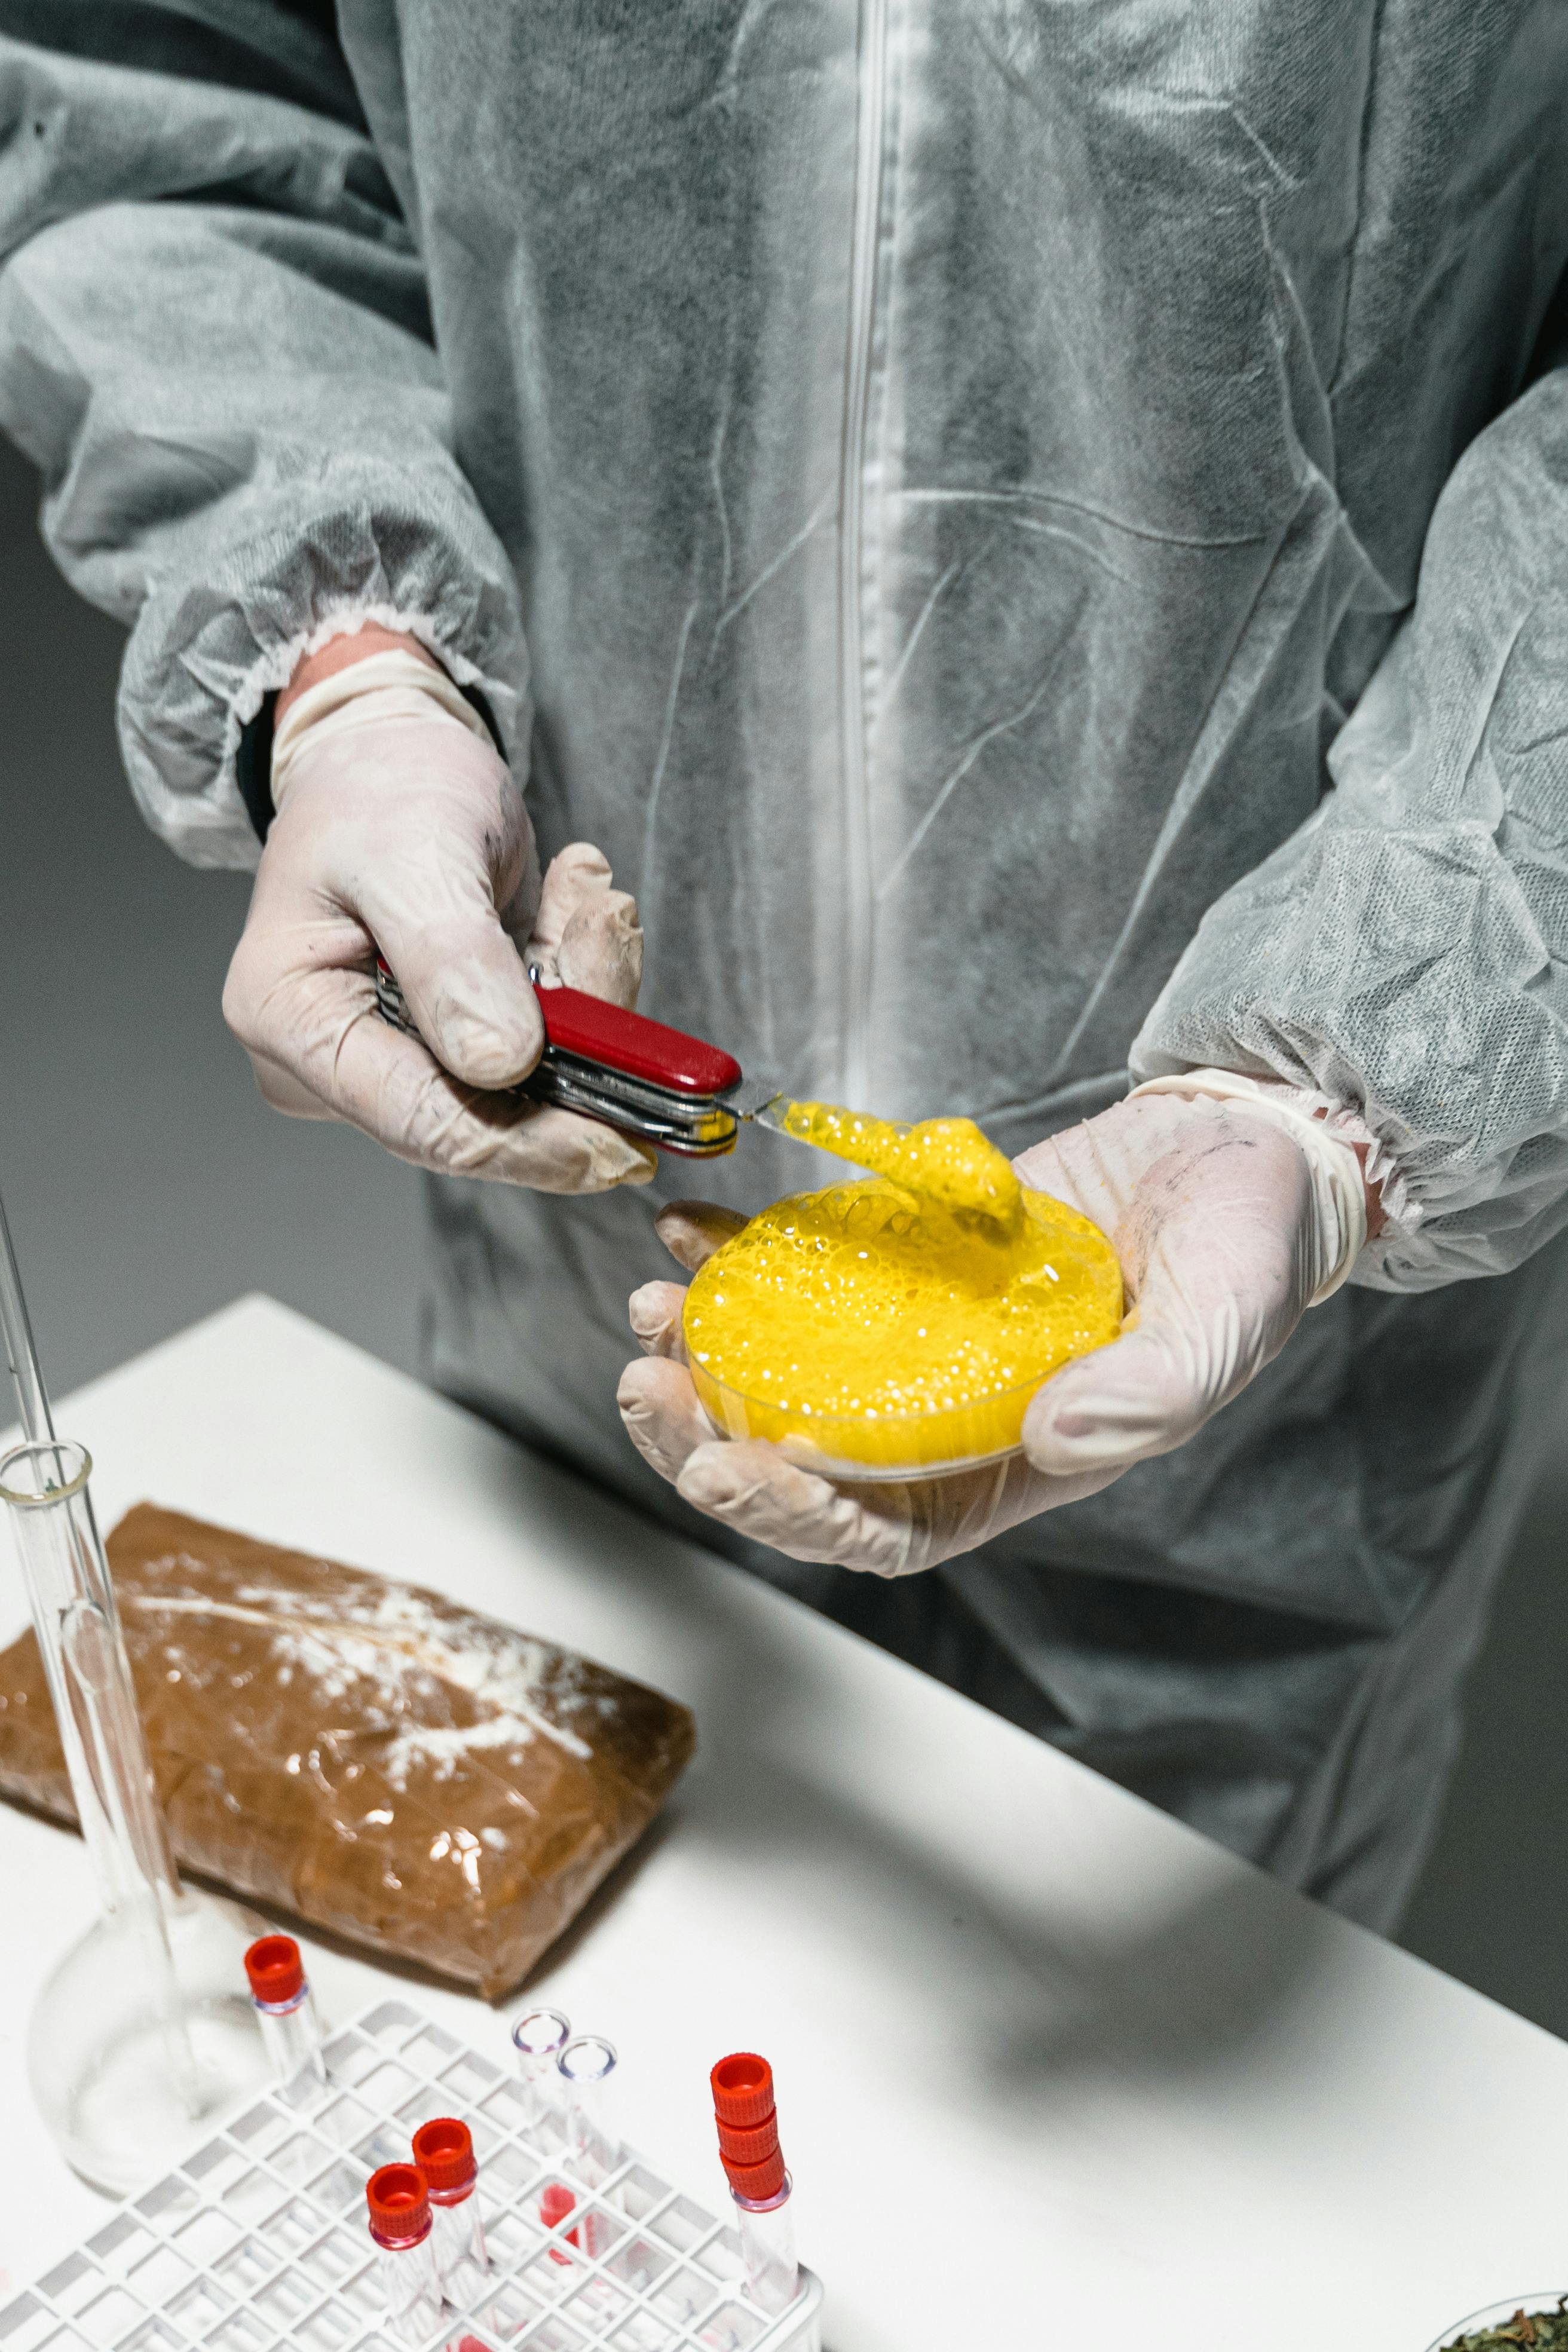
(743, 2089)
(748, 2126)
(399, 2205)
(275, 1969)
(748, 2147)
(757, 2183)
(444, 2151)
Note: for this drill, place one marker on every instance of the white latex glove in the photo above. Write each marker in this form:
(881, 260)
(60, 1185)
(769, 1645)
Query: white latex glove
(407, 830)
(1229, 1219)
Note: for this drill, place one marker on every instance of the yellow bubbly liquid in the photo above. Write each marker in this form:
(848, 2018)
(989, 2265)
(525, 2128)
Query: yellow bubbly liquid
(947, 1161)
(902, 1323)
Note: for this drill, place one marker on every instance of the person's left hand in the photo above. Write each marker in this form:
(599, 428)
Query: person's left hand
(1225, 1233)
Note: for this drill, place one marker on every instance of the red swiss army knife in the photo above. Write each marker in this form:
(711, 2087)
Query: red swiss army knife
(673, 1091)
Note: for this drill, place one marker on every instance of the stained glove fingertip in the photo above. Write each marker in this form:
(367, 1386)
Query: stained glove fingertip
(709, 1478)
(610, 1159)
(1064, 1433)
(485, 1053)
(654, 1312)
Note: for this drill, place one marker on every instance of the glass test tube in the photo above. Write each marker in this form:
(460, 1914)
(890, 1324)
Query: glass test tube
(287, 2015)
(406, 2254)
(586, 2066)
(539, 2037)
(767, 2247)
(444, 2152)
(597, 2301)
(140, 2025)
(84, 1660)
(747, 2117)
(555, 2204)
(45, 1487)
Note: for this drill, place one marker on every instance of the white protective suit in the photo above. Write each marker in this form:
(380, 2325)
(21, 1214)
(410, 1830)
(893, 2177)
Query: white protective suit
(922, 488)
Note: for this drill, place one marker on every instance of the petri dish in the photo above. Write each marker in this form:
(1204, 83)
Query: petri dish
(1549, 2303)
(874, 1337)
(875, 1447)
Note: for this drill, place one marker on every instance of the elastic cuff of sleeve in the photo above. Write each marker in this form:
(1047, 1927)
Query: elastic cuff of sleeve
(1339, 1188)
(391, 684)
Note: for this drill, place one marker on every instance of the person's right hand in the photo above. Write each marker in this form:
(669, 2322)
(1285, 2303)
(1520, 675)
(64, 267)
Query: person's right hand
(410, 833)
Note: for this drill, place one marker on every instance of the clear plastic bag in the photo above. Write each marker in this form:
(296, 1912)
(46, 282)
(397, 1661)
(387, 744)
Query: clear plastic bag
(405, 1773)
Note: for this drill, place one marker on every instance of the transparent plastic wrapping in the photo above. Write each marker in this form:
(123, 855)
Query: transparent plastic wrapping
(417, 1779)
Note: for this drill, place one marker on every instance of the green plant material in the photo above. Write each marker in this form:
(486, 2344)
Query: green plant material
(1536, 2331)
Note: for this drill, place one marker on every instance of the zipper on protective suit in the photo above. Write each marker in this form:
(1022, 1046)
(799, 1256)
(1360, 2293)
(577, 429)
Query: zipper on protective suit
(854, 786)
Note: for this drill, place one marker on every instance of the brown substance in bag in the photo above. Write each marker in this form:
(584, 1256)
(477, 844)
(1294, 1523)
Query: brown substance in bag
(412, 1777)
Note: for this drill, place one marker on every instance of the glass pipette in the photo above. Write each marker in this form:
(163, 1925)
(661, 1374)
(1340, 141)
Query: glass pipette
(110, 2055)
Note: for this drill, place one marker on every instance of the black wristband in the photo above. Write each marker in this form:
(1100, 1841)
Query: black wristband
(253, 767)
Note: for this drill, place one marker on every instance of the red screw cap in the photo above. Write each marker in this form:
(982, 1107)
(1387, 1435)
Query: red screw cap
(757, 2182)
(444, 2151)
(748, 2125)
(275, 1969)
(399, 2204)
(748, 2147)
(743, 2089)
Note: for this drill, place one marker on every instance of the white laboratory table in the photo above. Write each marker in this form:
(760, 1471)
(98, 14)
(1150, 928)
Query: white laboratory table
(1053, 2071)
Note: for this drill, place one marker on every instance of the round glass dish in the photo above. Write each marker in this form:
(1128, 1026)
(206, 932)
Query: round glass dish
(1550, 2305)
(868, 1447)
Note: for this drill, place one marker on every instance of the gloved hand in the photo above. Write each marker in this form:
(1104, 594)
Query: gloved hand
(407, 830)
(1229, 1219)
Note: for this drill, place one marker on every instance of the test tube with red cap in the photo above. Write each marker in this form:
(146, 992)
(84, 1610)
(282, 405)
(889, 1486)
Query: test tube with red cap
(444, 2152)
(400, 2228)
(290, 2032)
(754, 2164)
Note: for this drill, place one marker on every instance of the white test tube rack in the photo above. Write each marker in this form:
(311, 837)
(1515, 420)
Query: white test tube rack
(257, 2239)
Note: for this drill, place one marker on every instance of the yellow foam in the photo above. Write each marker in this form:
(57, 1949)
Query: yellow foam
(945, 1161)
(904, 1321)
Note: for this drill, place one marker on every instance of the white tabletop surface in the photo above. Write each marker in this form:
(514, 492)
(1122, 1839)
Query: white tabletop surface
(1052, 2069)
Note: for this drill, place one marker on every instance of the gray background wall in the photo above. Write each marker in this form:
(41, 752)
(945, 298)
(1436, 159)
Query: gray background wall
(148, 1185)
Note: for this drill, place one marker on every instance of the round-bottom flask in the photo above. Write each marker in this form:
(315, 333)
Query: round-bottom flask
(111, 2079)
